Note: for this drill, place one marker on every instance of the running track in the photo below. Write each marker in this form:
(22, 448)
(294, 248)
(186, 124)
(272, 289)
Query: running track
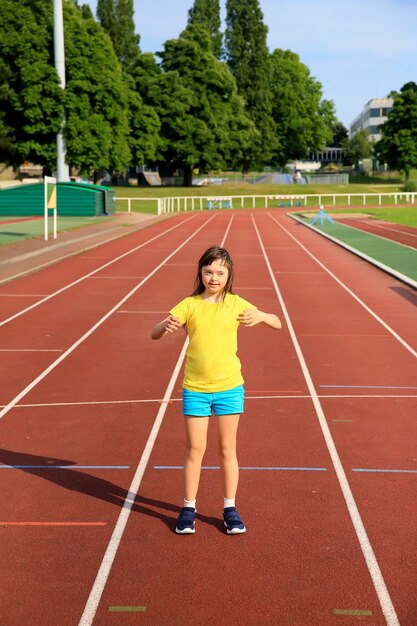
(407, 235)
(91, 438)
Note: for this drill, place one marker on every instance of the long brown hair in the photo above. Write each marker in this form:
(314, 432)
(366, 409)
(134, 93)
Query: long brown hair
(215, 253)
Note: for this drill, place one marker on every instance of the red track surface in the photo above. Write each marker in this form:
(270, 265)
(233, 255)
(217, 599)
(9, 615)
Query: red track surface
(406, 235)
(332, 393)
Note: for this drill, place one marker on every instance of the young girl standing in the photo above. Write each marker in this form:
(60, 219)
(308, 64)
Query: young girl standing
(213, 382)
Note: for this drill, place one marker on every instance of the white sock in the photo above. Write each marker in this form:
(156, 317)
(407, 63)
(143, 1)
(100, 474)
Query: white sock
(229, 502)
(189, 503)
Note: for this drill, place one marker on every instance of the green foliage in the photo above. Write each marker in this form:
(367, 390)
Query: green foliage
(410, 185)
(96, 98)
(248, 59)
(398, 146)
(202, 116)
(357, 148)
(117, 19)
(304, 121)
(340, 133)
(31, 98)
(207, 14)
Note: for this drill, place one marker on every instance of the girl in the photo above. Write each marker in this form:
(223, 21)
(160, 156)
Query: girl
(212, 383)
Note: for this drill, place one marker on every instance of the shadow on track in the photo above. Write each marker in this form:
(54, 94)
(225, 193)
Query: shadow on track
(69, 477)
(406, 294)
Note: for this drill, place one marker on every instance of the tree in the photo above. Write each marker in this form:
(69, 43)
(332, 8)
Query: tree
(248, 58)
(7, 136)
(207, 13)
(31, 98)
(398, 145)
(117, 19)
(303, 120)
(357, 148)
(96, 98)
(340, 133)
(203, 120)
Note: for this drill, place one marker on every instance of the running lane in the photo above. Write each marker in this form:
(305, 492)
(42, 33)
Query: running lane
(407, 235)
(307, 558)
(301, 562)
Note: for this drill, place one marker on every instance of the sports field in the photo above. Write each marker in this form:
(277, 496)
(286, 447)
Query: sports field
(91, 437)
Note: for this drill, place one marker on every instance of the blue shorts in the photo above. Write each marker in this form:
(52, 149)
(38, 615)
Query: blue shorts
(199, 404)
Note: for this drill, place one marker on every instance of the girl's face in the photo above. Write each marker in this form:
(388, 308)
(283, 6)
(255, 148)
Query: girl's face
(214, 278)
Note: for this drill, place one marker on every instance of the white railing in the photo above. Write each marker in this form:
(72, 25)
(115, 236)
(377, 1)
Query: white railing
(192, 203)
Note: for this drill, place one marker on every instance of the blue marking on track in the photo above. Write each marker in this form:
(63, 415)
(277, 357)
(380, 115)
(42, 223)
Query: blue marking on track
(365, 387)
(264, 469)
(383, 471)
(49, 467)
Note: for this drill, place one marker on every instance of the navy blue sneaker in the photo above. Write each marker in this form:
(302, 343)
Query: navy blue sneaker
(232, 521)
(186, 521)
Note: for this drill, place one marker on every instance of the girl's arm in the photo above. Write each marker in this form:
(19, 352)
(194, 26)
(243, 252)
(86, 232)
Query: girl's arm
(251, 317)
(169, 325)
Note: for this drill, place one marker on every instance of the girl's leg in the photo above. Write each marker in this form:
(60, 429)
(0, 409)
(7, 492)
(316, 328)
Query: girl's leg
(196, 432)
(226, 434)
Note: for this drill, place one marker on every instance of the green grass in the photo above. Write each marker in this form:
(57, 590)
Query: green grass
(30, 229)
(245, 189)
(391, 254)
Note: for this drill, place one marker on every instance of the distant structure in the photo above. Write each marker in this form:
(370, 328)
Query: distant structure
(328, 155)
(374, 113)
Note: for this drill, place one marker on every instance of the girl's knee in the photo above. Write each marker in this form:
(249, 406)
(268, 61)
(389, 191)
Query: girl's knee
(195, 453)
(227, 452)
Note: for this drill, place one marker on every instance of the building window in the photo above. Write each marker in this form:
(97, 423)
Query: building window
(376, 112)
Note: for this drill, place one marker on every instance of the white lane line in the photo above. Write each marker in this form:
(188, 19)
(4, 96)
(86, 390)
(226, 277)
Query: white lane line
(110, 554)
(101, 321)
(99, 269)
(247, 397)
(350, 292)
(394, 230)
(57, 246)
(365, 544)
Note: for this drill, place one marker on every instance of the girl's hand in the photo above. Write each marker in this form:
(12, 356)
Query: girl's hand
(172, 324)
(251, 317)
(169, 325)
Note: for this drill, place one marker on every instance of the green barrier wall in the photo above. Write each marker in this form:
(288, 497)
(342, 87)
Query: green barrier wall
(75, 199)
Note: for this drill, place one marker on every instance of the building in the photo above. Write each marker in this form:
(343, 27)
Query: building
(374, 114)
(328, 155)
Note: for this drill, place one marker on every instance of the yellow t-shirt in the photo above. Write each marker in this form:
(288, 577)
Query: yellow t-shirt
(212, 363)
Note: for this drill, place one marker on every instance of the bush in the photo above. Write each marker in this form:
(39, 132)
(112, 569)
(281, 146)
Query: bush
(410, 185)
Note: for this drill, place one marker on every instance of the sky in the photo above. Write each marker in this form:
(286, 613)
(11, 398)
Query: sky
(357, 50)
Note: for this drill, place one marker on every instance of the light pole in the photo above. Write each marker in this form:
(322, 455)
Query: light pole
(59, 53)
